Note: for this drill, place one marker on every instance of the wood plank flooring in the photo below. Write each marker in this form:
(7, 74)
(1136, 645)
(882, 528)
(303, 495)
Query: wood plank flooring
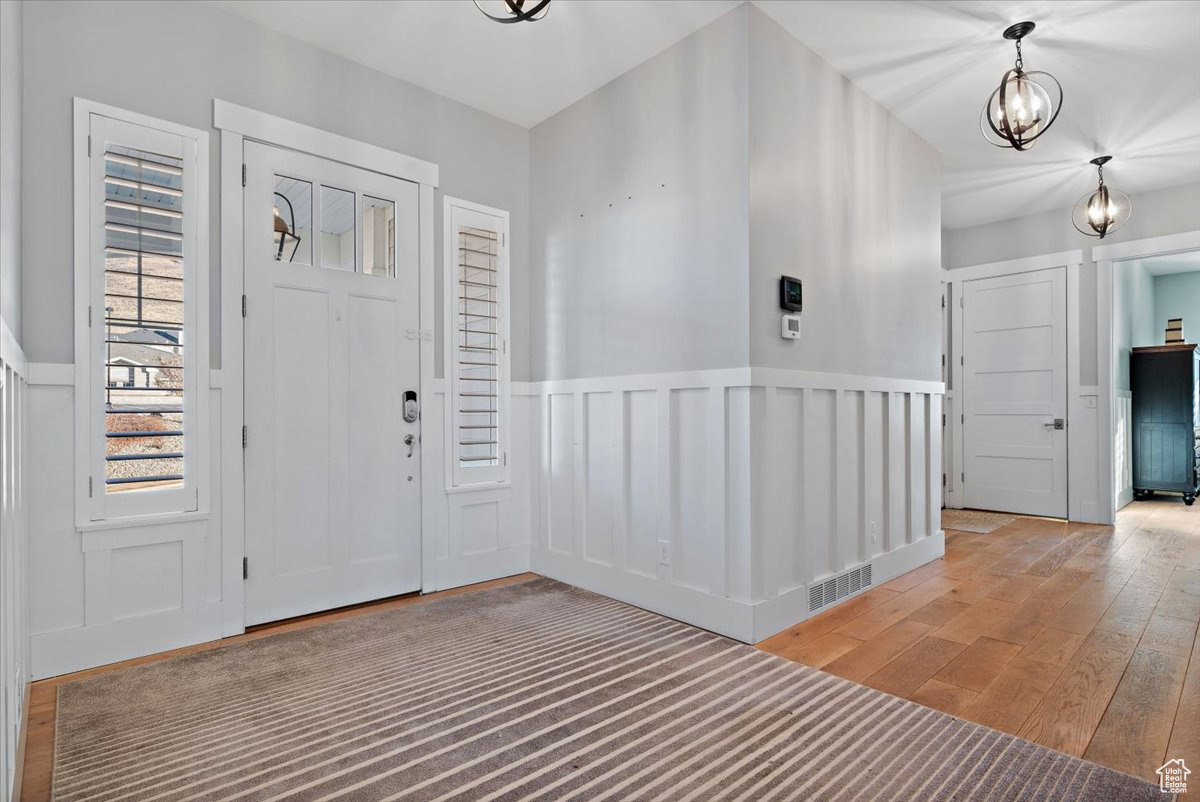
(39, 748)
(1079, 637)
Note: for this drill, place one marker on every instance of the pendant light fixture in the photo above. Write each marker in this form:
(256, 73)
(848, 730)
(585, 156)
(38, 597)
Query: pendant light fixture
(509, 11)
(1025, 104)
(1103, 210)
(283, 231)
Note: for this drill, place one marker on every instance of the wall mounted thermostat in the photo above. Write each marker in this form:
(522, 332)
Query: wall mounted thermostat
(791, 327)
(791, 295)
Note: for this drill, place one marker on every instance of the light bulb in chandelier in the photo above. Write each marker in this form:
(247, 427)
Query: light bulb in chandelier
(1025, 104)
(1104, 209)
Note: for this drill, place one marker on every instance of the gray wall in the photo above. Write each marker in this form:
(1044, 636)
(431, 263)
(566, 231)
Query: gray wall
(1171, 210)
(1133, 315)
(1176, 295)
(10, 165)
(640, 217)
(847, 199)
(169, 60)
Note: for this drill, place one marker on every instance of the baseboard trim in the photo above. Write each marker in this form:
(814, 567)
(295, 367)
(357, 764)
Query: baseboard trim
(22, 738)
(773, 616)
(725, 616)
(65, 651)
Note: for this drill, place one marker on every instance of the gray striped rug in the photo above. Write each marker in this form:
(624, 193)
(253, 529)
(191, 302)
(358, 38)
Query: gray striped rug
(531, 691)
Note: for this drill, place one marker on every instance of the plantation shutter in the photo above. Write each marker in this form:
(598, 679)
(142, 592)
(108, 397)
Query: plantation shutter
(478, 368)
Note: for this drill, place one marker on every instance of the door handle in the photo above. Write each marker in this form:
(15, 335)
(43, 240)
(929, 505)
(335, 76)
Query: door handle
(1057, 423)
(410, 441)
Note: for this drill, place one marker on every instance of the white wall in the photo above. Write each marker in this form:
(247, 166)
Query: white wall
(107, 595)
(1176, 295)
(1171, 210)
(657, 429)
(639, 217)
(847, 199)
(198, 53)
(1133, 316)
(14, 407)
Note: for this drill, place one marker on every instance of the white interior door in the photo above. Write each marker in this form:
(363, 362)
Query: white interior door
(331, 350)
(1014, 393)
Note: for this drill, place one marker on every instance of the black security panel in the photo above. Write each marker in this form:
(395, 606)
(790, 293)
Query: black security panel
(791, 295)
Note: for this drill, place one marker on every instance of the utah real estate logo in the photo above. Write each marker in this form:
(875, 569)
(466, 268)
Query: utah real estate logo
(1172, 777)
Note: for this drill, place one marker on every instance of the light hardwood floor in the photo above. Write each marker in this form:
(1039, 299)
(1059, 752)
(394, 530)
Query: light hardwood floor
(1079, 637)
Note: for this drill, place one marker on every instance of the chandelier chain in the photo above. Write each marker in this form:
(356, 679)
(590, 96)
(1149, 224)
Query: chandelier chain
(1020, 63)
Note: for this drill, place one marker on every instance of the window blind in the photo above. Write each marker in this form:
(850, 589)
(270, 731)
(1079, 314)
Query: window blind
(479, 348)
(143, 320)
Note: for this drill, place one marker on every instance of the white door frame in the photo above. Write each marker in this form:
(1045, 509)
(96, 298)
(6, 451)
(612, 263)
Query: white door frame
(237, 124)
(1071, 260)
(1103, 256)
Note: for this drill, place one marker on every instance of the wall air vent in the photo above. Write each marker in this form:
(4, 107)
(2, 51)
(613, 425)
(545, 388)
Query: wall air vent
(835, 588)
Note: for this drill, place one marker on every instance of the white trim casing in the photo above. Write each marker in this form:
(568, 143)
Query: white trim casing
(92, 123)
(457, 477)
(1071, 260)
(272, 130)
(239, 124)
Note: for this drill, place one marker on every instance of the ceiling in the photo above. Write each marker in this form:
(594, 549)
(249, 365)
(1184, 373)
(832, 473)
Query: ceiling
(522, 73)
(1130, 73)
(1186, 262)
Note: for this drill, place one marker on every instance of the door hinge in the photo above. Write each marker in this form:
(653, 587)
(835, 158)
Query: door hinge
(943, 480)
(962, 301)
(243, 306)
(943, 360)
(960, 361)
(243, 175)
(943, 418)
(245, 568)
(962, 477)
(89, 317)
(503, 239)
(943, 302)
(245, 436)
(962, 418)
(505, 457)
(90, 481)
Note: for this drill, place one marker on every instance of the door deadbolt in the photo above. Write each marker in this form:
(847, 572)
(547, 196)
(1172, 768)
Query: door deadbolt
(410, 409)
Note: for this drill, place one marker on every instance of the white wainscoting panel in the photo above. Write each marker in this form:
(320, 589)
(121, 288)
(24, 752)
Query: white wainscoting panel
(1123, 448)
(483, 532)
(14, 528)
(719, 497)
(118, 591)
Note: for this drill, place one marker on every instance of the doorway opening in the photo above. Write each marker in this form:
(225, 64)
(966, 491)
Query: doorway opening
(1155, 409)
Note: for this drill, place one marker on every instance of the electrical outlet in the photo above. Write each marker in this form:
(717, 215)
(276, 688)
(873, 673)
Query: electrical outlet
(664, 552)
(874, 532)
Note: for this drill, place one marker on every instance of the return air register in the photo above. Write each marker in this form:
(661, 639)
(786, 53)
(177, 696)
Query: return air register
(826, 592)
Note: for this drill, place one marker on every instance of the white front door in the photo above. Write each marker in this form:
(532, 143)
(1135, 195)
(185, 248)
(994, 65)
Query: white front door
(331, 358)
(1014, 393)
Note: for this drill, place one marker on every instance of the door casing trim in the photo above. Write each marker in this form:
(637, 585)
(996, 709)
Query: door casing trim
(1071, 260)
(237, 124)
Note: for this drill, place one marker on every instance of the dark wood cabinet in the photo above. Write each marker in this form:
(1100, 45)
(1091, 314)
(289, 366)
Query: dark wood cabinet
(1166, 414)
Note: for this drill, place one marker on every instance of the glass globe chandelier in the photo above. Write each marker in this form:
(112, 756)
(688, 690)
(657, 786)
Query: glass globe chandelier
(1103, 210)
(509, 11)
(1025, 104)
